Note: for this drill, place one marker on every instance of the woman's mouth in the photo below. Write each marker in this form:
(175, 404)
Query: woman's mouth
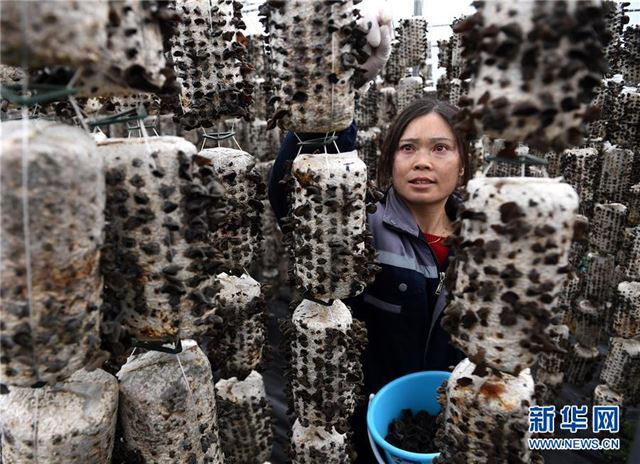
(421, 182)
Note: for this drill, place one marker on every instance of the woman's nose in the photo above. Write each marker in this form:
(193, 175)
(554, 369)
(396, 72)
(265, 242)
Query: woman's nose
(423, 160)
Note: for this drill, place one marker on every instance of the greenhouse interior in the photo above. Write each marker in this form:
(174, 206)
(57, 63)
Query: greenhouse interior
(319, 232)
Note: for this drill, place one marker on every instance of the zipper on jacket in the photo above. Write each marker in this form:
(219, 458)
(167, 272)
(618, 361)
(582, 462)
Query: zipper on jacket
(440, 284)
(437, 293)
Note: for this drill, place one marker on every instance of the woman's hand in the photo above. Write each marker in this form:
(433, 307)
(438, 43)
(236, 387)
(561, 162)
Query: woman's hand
(376, 21)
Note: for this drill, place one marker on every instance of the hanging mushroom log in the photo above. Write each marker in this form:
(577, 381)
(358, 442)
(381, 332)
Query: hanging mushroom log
(626, 310)
(634, 205)
(237, 236)
(239, 347)
(246, 434)
(168, 409)
(409, 89)
(580, 242)
(208, 50)
(596, 130)
(605, 102)
(443, 88)
(570, 291)
(53, 33)
(533, 80)
(51, 201)
(624, 119)
(631, 54)
(615, 176)
(554, 362)
(327, 229)
(621, 369)
(581, 169)
(156, 266)
(485, 416)
(143, 217)
(609, 220)
(73, 421)
(582, 364)
(616, 19)
(366, 109)
(134, 55)
(599, 280)
(604, 395)
(588, 322)
(325, 372)
(444, 57)
(368, 148)
(387, 105)
(316, 49)
(510, 268)
(631, 254)
(311, 445)
(410, 49)
(457, 62)
(551, 366)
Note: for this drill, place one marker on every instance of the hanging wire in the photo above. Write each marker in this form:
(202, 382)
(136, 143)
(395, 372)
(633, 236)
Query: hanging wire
(25, 189)
(486, 170)
(333, 61)
(233, 137)
(335, 141)
(73, 101)
(194, 434)
(35, 425)
(218, 127)
(140, 109)
(204, 138)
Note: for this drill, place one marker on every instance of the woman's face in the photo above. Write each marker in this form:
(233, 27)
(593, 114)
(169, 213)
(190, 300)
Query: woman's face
(426, 164)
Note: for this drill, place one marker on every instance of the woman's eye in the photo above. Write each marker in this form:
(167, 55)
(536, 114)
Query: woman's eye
(407, 147)
(440, 147)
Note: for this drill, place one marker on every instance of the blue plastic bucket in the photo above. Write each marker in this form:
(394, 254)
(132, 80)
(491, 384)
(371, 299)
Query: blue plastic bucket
(414, 391)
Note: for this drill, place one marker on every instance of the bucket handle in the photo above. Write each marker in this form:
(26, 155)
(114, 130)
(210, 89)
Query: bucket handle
(374, 447)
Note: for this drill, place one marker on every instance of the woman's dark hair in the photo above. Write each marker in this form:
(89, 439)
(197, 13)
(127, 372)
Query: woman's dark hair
(416, 109)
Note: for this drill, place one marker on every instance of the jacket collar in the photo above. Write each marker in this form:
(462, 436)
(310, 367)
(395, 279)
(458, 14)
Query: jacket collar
(398, 215)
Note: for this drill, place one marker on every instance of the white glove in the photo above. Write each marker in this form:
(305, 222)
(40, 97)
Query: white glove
(376, 21)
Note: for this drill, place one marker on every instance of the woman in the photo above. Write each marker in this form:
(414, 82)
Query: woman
(423, 161)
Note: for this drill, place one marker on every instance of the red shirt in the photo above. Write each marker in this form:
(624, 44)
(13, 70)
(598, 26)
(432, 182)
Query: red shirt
(436, 242)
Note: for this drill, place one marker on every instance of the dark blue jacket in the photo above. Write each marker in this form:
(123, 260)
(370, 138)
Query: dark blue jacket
(403, 307)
